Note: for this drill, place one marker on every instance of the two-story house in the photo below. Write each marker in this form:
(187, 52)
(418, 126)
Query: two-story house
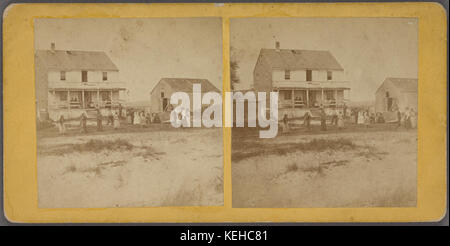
(305, 79)
(71, 82)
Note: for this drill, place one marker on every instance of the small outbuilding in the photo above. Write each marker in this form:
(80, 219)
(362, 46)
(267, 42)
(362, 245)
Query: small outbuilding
(163, 90)
(396, 93)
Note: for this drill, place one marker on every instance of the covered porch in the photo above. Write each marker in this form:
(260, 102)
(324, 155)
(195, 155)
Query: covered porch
(71, 103)
(310, 98)
(84, 99)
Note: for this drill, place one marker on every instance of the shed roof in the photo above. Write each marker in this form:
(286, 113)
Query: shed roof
(402, 84)
(76, 60)
(185, 84)
(288, 59)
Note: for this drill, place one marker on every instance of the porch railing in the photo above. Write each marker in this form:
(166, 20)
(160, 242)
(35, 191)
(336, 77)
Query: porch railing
(303, 104)
(87, 105)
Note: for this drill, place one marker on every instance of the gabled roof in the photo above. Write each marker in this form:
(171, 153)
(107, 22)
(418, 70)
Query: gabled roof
(286, 59)
(185, 84)
(402, 84)
(76, 60)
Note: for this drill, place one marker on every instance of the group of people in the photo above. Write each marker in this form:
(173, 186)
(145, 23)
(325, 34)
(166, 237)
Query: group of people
(407, 118)
(337, 119)
(362, 117)
(135, 117)
(112, 119)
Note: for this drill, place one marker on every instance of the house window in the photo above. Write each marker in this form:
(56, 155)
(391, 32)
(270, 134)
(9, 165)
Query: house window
(308, 75)
(62, 95)
(162, 94)
(105, 76)
(329, 75)
(330, 95)
(287, 95)
(287, 74)
(105, 95)
(84, 76)
(62, 75)
(387, 93)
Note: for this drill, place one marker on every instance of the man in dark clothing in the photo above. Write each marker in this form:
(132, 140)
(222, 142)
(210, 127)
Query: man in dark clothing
(132, 116)
(99, 120)
(120, 111)
(399, 118)
(323, 120)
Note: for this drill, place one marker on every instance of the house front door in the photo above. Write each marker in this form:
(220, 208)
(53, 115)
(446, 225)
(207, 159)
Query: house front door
(312, 99)
(164, 104)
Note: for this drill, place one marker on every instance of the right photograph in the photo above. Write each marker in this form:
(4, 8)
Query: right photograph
(346, 111)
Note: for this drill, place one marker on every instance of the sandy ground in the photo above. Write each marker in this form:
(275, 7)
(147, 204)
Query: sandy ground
(181, 167)
(378, 171)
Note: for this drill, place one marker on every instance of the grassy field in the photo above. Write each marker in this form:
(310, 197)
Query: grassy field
(130, 167)
(353, 167)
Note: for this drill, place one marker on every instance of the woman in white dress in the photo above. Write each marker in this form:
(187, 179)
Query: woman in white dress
(366, 119)
(360, 117)
(340, 120)
(137, 118)
(116, 121)
(413, 118)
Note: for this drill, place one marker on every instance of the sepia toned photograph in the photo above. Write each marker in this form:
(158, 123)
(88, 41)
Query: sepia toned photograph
(103, 105)
(346, 112)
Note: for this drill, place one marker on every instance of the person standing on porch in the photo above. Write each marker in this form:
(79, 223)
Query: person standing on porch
(83, 123)
(99, 120)
(323, 120)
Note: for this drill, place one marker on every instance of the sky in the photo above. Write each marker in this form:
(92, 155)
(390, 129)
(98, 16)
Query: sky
(145, 49)
(369, 49)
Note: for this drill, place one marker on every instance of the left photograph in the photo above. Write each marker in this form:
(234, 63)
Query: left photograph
(103, 109)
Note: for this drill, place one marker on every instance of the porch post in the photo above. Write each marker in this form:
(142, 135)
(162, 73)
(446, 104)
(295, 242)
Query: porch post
(110, 98)
(82, 99)
(98, 98)
(321, 98)
(307, 98)
(53, 100)
(292, 99)
(335, 98)
(68, 101)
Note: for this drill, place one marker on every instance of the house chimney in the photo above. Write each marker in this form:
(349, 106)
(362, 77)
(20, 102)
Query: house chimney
(52, 46)
(277, 45)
